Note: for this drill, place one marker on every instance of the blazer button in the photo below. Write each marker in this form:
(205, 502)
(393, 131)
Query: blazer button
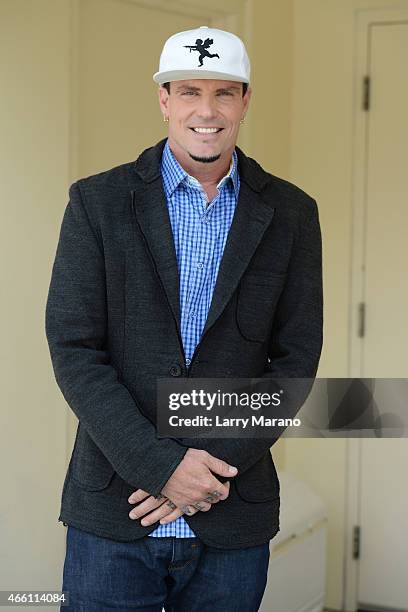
(175, 370)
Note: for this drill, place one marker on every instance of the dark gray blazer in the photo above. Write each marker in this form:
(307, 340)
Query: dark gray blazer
(113, 326)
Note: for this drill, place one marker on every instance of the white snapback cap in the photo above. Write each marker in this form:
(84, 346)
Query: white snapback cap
(203, 53)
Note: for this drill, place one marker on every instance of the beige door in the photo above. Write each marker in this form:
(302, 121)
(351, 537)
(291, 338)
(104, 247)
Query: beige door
(383, 494)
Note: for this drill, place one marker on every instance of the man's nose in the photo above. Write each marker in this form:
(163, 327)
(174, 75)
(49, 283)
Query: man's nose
(207, 108)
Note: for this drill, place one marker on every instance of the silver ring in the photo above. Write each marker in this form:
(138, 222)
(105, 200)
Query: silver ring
(171, 505)
(186, 509)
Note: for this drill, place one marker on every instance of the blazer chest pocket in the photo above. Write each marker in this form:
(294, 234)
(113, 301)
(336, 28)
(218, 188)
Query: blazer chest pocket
(260, 482)
(258, 295)
(90, 468)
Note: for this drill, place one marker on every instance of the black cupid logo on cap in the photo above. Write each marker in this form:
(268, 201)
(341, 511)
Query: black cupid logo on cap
(202, 48)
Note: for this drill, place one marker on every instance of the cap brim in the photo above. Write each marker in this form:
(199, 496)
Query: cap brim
(184, 75)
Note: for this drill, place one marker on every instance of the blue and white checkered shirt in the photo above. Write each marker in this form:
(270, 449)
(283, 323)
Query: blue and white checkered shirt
(200, 231)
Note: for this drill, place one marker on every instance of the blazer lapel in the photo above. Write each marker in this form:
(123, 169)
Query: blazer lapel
(151, 214)
(251, 218)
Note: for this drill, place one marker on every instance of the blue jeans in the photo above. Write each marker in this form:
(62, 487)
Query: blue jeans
(177, 574)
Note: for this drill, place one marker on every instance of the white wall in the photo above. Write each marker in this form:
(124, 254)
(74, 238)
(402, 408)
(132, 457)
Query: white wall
(34, 127)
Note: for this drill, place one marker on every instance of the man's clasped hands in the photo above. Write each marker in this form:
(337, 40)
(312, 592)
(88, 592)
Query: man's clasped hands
(191, 488)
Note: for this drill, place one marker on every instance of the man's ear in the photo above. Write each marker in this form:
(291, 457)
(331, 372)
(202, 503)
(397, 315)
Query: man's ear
(246, 98)
(164, 101)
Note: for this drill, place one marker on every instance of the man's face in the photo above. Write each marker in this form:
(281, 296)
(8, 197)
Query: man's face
(198, 105)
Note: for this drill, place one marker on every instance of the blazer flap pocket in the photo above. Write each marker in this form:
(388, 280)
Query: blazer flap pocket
(90, 468)
(260, 482)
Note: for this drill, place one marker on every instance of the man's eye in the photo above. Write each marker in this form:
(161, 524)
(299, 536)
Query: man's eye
(225, 93)
(189, 93)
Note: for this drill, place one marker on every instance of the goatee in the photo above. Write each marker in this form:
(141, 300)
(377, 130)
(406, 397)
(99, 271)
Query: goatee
(205, 160)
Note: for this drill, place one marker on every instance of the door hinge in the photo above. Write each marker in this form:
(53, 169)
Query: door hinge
(361, 319)
(366, 93)
(356, 541)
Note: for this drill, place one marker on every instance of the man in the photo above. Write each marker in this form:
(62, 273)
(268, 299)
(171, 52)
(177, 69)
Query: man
(191, 261)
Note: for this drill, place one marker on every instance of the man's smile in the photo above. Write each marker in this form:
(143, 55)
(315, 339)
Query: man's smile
(206, 130)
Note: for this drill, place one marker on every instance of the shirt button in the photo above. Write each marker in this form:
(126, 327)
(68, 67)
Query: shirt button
(200, 265)
(192, 315)
(188, 361)
(175, 370)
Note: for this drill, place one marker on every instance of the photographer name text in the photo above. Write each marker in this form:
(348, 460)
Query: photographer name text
(243, 423)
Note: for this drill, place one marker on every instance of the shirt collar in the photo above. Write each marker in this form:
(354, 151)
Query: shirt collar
(174, 174)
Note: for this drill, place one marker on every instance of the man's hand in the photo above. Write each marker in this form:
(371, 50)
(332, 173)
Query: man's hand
(147, 503)
(193, 481)
(160, 508)
(192, 487)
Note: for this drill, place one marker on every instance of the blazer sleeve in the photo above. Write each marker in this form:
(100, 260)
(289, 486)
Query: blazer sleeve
(296, 339)
(76, 321)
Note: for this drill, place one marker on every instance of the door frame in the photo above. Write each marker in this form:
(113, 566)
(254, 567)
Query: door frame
(364, 20)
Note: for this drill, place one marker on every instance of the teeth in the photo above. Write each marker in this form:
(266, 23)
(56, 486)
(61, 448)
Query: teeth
(206, 130)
